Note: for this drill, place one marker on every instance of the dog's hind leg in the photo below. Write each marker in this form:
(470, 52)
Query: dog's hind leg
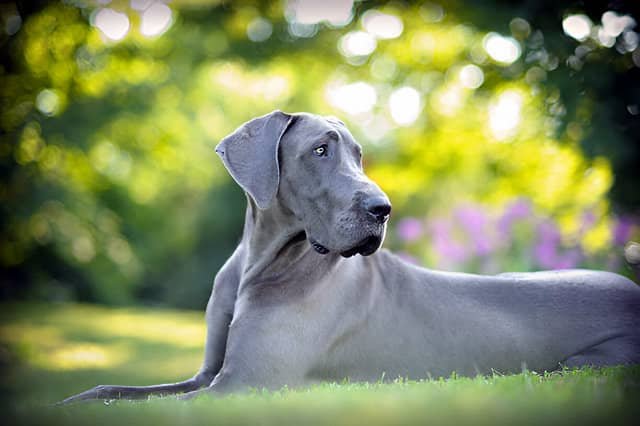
(622, 350)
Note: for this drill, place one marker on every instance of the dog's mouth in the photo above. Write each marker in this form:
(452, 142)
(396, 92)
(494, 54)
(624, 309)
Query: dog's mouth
(318, 247)
(365, 247)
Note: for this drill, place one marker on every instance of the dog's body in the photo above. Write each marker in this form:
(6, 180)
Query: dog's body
(294, 306)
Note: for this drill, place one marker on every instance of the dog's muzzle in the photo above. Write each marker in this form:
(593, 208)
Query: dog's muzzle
(374, 212)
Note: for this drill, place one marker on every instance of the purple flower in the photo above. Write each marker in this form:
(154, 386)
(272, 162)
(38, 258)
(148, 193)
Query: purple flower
(588, 220)
(409, 229)
(548, 232)
(622, 230)
(567, 260)
(472, 219)
(483, 246)
(476, 224)
(546, 247)
(450, 250)
(516, 210)
(545, 254)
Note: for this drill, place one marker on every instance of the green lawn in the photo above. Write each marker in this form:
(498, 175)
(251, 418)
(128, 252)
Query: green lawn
(48, 352)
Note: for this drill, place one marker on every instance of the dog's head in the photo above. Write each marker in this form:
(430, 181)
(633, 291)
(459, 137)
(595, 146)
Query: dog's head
(312, 166)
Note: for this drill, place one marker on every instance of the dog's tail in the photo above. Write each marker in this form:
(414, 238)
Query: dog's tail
(632, 255)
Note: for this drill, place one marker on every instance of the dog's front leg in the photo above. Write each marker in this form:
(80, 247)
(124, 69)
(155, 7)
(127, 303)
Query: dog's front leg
(267, 348)
(219, 314)
(218, 317)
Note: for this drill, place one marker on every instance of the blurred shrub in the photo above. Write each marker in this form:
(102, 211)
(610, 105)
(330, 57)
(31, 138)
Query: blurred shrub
(516, 237)
(111, 192)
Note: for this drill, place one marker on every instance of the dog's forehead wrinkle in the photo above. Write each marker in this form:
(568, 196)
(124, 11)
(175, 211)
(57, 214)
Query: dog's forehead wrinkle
(334, 120)
(306, 130)
(332, 134)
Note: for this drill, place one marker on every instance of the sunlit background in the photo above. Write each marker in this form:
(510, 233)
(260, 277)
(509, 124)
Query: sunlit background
(506, 136)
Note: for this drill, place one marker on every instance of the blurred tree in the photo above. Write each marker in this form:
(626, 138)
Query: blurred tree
(110, 189)
(602, 69)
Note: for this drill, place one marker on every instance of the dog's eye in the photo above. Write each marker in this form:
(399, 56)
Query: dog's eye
(320, 151)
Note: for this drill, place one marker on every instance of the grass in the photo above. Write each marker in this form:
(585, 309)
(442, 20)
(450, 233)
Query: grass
(48, 352)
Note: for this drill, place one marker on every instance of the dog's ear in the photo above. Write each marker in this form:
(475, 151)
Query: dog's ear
(250, 154)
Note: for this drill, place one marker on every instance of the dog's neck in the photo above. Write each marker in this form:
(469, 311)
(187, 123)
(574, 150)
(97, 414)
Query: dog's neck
(267, 233)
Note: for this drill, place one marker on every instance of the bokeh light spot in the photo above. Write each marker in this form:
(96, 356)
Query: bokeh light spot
(405, 104)
(505, 50)
(48, 102)
(335, 12)
(114, 25)
(504, 114)
(577, 26)
(383, 68)
(12, 24)
(630, 40)
(448, 100)
(357, 43)
(119, 251)
(83, 248)
(613, 24)
(471, 76)
(635, 57)
(376, 127)
(260, 29)
(431, 12)
(141, 4)
(520, 28)
(155, 20)
(301, 30)
(605, 39)
(354, 98)
(382, 25)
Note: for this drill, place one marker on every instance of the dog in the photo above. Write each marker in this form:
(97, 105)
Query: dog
(309, 296)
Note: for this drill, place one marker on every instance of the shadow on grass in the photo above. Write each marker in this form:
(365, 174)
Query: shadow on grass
(51, 351)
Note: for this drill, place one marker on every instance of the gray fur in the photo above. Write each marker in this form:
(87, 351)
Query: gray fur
(282, 314)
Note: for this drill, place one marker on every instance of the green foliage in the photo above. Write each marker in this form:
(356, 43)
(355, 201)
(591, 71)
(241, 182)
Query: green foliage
(60, 350)
(111, 191)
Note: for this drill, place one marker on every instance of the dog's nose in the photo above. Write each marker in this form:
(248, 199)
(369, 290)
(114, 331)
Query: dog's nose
(378, 207)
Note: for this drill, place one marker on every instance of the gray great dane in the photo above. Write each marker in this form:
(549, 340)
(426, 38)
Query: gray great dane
(295, 304)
